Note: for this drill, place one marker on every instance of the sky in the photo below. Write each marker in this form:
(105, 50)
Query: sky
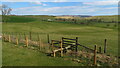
(63, 7)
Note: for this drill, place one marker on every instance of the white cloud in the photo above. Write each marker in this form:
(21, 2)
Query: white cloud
(39, 3)
(102, 3)
(68, 10)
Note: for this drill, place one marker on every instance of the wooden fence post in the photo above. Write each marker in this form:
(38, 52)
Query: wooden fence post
(95, 51)
(105, 45)
(54, 54)
(48, 38)
(76, 44)
(100, 49)
(16, 40)
(61, 48)
(26, 41)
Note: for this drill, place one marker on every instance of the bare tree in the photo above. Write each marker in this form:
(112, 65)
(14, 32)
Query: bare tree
(5, 10)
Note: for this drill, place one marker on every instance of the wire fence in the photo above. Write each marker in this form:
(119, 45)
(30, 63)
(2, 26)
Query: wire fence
(42, 42)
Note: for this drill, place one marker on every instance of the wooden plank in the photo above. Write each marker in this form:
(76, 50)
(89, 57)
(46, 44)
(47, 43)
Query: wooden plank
(68, 38)
(68, 44)
(57, 46)
(69, 41)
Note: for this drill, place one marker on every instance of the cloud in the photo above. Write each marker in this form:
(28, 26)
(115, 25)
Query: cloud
(66, 10)
(101, 3)
(39, 3)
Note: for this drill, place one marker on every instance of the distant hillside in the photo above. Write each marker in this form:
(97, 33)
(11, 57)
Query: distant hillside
(76, 15)
(79, 18)
(109, 18)
(105, 18)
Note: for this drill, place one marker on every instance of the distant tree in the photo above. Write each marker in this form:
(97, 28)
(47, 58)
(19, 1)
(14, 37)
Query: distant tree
(5, 10)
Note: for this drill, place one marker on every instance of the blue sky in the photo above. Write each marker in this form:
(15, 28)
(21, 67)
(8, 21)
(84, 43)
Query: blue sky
(63, 7)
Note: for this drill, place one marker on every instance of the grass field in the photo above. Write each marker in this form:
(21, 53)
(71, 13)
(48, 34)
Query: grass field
(26, 57)
(89, 35)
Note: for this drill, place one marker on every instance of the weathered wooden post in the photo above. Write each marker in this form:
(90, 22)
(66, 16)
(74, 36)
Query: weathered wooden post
(100, 50)
(52, 41)
(105, 45)
(26, 41)
(9, 38)
(76, 44)
(54, 54)
(16, 40)
(48, 38)
(61, 48)
(95, 51)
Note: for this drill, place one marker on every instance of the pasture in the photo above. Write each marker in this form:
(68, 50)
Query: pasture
(89, 35)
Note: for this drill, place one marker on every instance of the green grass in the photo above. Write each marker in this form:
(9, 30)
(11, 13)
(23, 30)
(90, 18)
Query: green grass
(21, 19)
(89, 35)
(17, 56)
